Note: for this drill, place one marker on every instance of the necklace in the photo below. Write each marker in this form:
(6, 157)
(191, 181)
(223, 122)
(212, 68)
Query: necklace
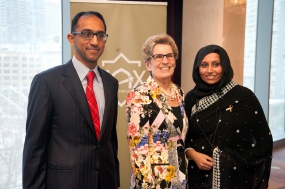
(215, 133)
(173, 92)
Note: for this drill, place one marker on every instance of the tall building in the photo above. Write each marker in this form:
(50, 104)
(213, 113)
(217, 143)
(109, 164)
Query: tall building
(29, 21)
(30, 42)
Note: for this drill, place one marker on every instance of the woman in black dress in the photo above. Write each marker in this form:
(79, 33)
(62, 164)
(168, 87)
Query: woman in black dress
(229, 143)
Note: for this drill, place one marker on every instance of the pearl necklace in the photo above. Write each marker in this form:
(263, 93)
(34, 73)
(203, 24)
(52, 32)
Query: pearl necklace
(173, 92)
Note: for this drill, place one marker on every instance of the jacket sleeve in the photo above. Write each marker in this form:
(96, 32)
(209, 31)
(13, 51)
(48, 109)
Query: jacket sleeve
(138, 135)
(37, 135)
(262, 147)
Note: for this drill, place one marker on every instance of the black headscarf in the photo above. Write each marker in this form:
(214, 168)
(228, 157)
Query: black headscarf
(202, 88)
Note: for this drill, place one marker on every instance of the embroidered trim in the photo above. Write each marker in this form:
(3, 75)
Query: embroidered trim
(216, 169)
(209, 100)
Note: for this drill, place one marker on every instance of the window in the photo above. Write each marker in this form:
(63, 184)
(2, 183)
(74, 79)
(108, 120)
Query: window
(19, 42)
(277, 75)
(249, 44)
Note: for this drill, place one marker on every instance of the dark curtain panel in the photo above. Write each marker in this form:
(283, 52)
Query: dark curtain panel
(174, 29)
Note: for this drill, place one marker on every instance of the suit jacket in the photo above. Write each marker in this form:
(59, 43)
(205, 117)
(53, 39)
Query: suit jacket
(61, 150)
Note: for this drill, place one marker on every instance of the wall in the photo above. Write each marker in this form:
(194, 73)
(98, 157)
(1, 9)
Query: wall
(208, 22)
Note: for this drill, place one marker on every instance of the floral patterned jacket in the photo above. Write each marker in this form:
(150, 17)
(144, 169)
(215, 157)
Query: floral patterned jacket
(152, 138)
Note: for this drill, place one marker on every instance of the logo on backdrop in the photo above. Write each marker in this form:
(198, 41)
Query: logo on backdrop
(130, 73)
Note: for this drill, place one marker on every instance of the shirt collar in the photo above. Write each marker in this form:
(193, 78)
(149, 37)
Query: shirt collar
(82, 70)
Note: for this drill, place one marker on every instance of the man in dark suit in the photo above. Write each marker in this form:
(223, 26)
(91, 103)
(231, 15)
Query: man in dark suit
(62, 150)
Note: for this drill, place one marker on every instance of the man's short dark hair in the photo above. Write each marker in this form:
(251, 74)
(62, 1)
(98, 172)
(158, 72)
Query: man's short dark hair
(78, 15)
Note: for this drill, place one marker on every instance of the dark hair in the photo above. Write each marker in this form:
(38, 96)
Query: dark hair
(78, 15)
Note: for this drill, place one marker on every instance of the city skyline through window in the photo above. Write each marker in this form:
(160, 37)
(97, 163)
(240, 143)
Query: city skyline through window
(30, 42)
(277, 72)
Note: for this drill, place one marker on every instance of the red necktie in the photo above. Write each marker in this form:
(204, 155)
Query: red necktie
(93, 106)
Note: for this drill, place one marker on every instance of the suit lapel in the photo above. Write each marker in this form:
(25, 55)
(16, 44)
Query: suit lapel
(107, 94)
(74, 86)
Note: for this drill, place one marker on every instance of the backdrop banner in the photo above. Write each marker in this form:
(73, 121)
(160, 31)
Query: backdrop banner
(129, 24)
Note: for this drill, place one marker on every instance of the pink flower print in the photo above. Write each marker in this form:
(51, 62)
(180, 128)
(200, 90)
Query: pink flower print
(134, 157)
(129, 97)
(143, 150)
(153, 87)
(159, 169)
(133, 128)
(158, 147)
(136, 109)
(143, 89)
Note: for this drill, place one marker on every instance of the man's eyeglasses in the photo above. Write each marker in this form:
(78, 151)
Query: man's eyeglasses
(159, 57)
(87, 34)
